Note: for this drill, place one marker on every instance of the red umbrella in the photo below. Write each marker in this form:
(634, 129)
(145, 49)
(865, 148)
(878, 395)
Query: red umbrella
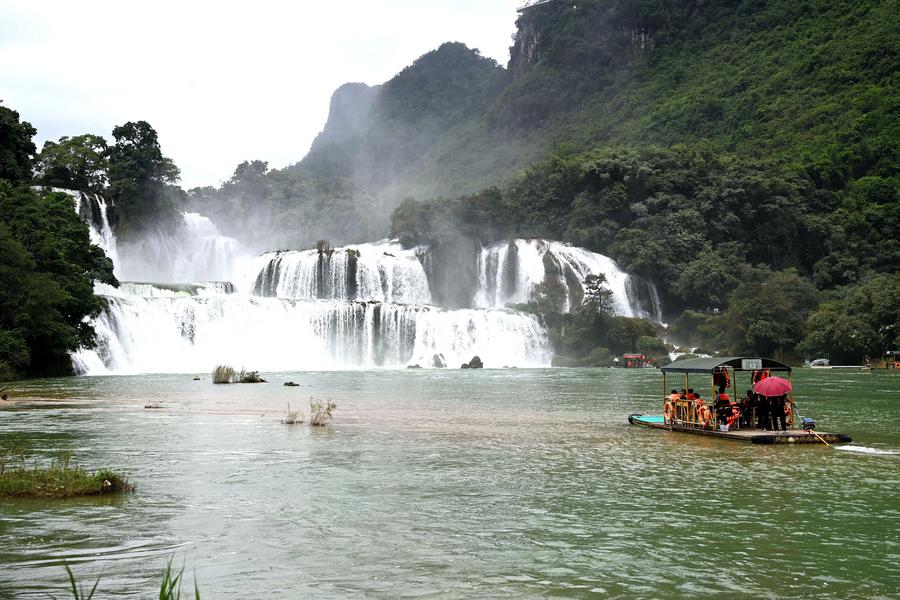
(773, 386)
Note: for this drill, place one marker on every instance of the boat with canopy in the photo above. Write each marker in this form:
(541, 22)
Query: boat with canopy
(754, 418)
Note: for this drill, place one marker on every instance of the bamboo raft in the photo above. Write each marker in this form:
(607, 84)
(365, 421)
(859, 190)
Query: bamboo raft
(755, 436)
(690, 414)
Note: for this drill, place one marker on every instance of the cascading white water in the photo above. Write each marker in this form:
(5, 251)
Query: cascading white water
(360, 306)
(381, 272)
(195, 251)
(93, 210)
(509, 273)
(158, 332)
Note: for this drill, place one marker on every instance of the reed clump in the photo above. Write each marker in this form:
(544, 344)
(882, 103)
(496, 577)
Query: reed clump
(293, 416)
(320, 412)
(223, 374)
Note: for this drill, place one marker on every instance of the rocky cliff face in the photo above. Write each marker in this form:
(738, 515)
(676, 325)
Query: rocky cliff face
(348, 115)
(612, 31)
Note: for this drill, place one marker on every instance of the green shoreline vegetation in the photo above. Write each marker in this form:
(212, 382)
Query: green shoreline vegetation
(58, 480)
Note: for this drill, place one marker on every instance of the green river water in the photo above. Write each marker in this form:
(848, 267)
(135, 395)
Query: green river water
(505, 483)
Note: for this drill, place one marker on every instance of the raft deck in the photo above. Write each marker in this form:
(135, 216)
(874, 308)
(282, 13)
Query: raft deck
(755, 436)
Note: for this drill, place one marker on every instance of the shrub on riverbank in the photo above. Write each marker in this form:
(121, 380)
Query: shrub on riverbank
(58, 481)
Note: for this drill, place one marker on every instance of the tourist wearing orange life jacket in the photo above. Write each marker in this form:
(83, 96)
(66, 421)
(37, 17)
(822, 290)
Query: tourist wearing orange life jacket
(669, 406)
(704, 415)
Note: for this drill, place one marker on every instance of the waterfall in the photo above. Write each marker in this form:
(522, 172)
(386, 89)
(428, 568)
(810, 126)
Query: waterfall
(93, 210)
(160, 330)
(510, 272)
(360, 306)
(381, 272)
(194, 251)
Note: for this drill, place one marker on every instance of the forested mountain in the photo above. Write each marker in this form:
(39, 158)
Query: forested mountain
(809, 82)
(733, 152)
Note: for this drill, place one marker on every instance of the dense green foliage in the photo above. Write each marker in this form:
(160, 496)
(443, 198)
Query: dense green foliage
(860, 320)
(809, 84)
(16, 147)
(592, 335)
(141, 180)
(46, 276)
(47, 266)
(78, 163)
(715, 232)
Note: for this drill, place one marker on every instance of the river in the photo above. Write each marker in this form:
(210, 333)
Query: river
(501, 483)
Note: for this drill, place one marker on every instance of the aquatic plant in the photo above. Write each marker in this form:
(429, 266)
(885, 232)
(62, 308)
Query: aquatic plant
(292, 416)
(223, 374)
(250, 377)
(320, 413)
(169, 589)
(78, 590)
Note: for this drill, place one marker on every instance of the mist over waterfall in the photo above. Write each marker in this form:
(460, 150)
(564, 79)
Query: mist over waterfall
(194, 251)
(196, 298)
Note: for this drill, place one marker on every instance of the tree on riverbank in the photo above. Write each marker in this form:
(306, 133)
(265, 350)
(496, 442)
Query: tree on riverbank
(46, 273)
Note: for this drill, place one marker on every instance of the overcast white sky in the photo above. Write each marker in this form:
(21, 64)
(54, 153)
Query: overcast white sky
(224, 81)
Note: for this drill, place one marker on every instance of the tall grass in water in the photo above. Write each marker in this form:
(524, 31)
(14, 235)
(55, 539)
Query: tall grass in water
(169, 589)
(320, 413)
(77, 590)
(292, 416)
(223, 374)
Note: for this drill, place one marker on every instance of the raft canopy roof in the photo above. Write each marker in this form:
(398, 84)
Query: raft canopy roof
(737, 363)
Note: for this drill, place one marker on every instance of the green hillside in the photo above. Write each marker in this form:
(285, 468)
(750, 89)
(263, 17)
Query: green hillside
(812, 83)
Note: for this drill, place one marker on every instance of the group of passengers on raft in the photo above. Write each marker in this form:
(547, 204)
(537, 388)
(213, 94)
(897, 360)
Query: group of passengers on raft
(771, 413)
